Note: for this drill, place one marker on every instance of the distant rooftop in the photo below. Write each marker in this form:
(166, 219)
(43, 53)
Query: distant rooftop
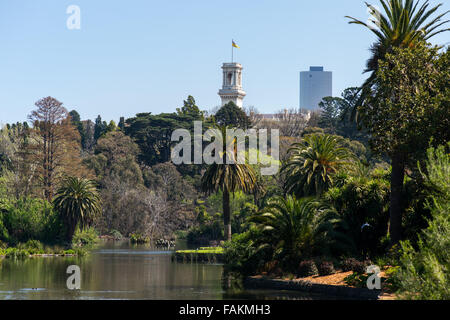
(315, 68)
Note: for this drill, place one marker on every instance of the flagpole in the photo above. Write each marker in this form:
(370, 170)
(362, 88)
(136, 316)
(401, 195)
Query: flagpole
(232, 50)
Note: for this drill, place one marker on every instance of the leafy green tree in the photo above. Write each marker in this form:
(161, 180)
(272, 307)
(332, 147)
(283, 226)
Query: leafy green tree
(330, 115)
(82, 129)
(403, 25)
(121, 124)
(99, 128)
(362, 199)
(153, 133)
(313, 164)
(228, 178)
(409, 106)
(335, 117)
(26, 219)
(115, 157)
(424, 272)
(78, 202)
(190, 108)
(231, 115)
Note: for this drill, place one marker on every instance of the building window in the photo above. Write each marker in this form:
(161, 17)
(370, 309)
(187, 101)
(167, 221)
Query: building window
(229, 78)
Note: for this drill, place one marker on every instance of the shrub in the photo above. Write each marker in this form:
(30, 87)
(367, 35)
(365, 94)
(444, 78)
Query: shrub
(243, 256)
(137, 238)
(15, 253)
(32, 246)
(351, 264)
(116, 235)
(357, 280)
(270, 267)
(80, 252)
(205, 233)
(69, 252)
(325, 268)
(86, 237)
(181, 234)
(307, 268)
(358, 201)
(26, 219)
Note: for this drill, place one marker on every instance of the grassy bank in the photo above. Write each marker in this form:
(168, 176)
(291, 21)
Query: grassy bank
(203, 254)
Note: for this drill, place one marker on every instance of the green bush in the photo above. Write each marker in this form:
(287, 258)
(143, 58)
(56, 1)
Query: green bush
(116, 235)
(26, 219)
(243, 255)
(205, 233)
(32, 247)
(86, 237)
(137, 238)
(69, 252)
(360, 200)
(181, 234)
(15, 253)
(357, 280)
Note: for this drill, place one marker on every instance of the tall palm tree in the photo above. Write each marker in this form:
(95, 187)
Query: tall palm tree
(228, 178)
(402, 25)
(313, 162)
(78, 202)
(295, 228)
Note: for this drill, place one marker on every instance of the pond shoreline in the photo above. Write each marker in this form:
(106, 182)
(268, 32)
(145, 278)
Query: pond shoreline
(46, 255)
(262, 282)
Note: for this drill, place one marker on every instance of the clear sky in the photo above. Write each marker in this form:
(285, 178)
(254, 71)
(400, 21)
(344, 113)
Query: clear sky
(148, 56)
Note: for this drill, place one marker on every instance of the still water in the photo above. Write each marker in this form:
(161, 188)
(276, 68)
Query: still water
(118, 270)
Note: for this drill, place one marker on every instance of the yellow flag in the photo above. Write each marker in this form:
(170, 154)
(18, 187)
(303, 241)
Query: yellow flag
(234, 44)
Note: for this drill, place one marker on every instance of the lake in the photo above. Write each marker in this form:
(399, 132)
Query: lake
(118, 270)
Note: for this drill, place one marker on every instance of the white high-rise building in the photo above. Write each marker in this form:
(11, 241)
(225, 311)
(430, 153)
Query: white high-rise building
(232, 84)
(315, 85)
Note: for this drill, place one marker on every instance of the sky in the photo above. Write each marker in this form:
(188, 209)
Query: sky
(147, 56)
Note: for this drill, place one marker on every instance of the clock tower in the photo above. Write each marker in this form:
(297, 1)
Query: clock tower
(232, 84)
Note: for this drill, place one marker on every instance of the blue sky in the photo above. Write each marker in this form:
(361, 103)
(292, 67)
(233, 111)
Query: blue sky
(148, 56)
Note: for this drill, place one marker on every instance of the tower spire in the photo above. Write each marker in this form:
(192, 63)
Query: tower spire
(232, 84)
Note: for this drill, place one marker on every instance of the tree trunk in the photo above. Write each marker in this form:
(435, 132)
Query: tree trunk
(70, 230)
(397, 176)
(226, 214)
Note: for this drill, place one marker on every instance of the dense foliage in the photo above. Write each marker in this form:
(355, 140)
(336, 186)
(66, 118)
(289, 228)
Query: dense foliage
(425, 271)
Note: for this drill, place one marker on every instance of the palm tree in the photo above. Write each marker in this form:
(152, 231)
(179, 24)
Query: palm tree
(403, 24)
(228, 178)
(295, 228)
(313, 163)
(78, 202)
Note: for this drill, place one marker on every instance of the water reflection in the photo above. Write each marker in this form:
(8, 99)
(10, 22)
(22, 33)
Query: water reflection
(120, 271)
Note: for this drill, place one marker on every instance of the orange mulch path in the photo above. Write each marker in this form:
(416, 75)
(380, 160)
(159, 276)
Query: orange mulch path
(336, 279)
